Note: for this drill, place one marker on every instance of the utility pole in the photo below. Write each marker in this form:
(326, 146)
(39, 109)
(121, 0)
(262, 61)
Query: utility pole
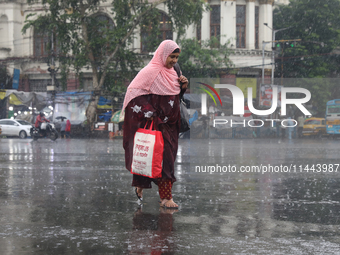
(273, 47)
(282, 53)
(52, 60)
(263, 46)
(53, 76)
(52, 71)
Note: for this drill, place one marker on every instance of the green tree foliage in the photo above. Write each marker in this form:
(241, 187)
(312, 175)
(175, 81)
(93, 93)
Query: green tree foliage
(204, 59)
(89, 38)
(317, 24)
(5, 78)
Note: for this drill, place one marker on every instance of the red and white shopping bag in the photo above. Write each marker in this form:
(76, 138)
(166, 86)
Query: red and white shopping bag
(147, 159)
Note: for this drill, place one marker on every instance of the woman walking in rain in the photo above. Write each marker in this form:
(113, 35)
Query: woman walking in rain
(154, 95)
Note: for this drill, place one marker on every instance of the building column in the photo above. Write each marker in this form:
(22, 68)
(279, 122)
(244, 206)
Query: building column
(250, 24)
(265, 16)
(205, 26)
(190, 32)
(228, 22)
(136, 41)
(4, 38)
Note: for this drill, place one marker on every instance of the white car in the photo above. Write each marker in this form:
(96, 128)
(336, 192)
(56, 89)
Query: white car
(19, 128)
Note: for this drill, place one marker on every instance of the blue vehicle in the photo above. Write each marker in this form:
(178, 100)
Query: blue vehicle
(333, 117)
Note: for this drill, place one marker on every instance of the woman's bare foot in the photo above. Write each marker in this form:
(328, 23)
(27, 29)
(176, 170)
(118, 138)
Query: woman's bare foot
(166, 203)
(167, 210)
(139, 193)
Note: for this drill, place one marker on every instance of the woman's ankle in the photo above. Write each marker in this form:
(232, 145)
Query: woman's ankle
(139, 191)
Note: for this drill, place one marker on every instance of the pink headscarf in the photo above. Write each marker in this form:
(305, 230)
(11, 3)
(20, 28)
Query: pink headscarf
(155, 78)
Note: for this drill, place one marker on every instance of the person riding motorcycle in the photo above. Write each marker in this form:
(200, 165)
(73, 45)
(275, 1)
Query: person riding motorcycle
(48, 131)
(40, 119)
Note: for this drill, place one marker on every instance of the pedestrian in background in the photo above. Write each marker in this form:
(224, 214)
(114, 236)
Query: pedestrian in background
(68, 128)
(290, 128)
(301, 122)
(62, 128)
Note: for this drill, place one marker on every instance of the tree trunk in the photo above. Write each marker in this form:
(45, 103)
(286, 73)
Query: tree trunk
(97, 84)
(92, 107)
(91, 111)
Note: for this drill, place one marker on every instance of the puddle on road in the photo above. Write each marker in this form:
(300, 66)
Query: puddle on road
(77, 198)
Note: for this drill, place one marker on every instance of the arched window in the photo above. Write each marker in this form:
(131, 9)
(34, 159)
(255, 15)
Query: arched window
(43, 43)
(240, 26)
(165, 32)
(98, 28)
(165, 27)
(215, 21)
(40, 44)
(257, 27)
(4, 40)
(102, 22)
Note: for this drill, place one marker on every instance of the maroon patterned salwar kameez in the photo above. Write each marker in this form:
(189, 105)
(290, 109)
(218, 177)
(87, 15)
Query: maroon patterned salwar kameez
(165, 111)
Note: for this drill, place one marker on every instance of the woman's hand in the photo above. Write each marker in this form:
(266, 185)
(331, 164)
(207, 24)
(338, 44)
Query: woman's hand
(184, 81)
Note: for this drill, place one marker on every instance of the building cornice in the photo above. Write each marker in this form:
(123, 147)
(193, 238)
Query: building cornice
(244, 52)
(5, 49)
(271, 2)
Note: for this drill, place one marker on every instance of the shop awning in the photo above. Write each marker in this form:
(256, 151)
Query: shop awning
(25, 98)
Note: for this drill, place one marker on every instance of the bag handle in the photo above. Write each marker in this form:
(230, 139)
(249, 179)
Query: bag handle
(151, 125)
(178, 71)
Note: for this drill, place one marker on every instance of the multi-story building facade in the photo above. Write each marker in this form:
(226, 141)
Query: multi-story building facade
(241, 22)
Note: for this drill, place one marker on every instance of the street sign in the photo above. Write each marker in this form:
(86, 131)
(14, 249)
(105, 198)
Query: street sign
(16, 77)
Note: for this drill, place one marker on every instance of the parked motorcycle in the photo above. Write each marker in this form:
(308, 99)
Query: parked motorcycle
(45, 130)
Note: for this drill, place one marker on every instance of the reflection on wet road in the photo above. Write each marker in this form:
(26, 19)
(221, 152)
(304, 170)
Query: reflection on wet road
(75, 197)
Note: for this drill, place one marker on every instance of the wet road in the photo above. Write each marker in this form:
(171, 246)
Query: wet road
(74, 197)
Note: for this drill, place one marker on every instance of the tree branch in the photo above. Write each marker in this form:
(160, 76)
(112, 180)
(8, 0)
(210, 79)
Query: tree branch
(134, 25)
(87, 46)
